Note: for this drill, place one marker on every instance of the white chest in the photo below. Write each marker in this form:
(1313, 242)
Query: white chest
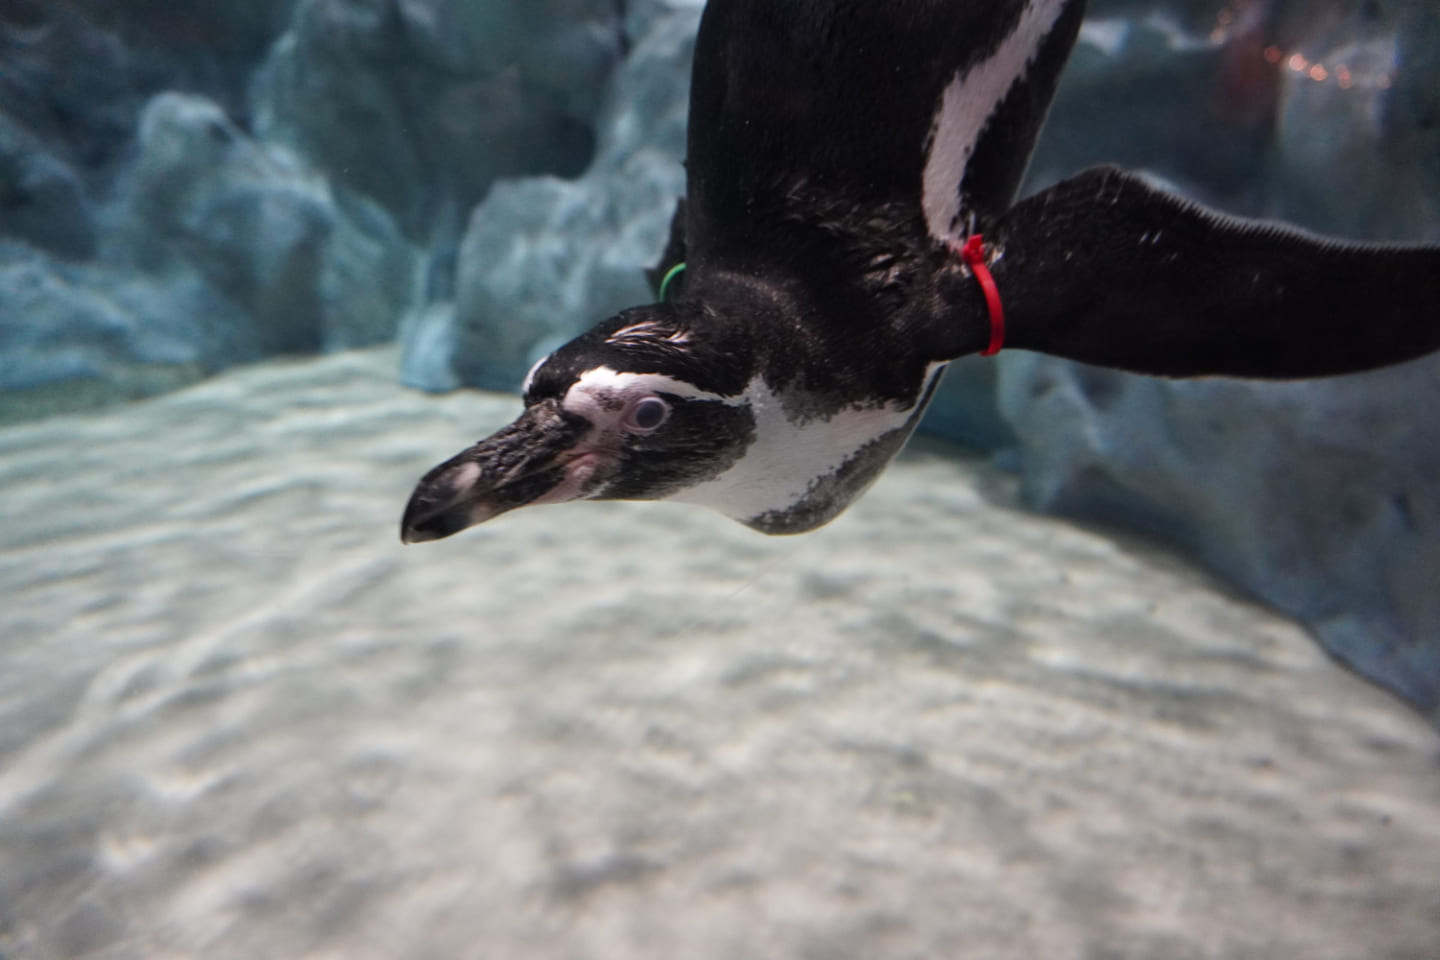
(793, 457)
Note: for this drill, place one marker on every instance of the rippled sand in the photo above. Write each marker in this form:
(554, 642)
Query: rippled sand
(238, 719)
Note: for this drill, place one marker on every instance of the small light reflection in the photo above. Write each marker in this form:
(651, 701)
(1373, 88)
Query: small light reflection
(1344, 77)
(1232, 19)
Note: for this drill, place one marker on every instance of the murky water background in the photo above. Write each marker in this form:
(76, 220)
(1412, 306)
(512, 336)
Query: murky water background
(238, 719)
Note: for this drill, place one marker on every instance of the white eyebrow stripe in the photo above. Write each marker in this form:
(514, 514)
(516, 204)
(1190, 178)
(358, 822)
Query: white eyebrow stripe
(530, 376)
(649, 331)
(607, 379)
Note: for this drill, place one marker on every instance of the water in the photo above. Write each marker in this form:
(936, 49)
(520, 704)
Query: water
(237, 718)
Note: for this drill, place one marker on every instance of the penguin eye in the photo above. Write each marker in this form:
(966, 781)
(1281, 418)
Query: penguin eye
(648, 414)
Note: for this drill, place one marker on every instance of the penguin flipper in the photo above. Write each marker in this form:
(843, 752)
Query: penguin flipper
(1105, 269)
(823, 131)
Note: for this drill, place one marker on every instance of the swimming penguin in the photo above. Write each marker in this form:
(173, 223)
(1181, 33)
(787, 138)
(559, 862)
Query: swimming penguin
(850, 228)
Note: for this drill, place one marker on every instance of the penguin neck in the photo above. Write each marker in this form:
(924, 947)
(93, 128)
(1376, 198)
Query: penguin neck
(774, 317)
(814, 349)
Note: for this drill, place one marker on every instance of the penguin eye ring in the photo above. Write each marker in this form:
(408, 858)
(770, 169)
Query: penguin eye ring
(647, 415)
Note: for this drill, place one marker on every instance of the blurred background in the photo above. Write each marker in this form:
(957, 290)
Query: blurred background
(191, 188)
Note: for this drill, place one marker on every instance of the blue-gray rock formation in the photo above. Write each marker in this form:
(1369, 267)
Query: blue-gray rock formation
(421, 105)
(1318, 497)
(543, 258)
(80, 333)
(43, 199)
(302, 167)
(312, 267)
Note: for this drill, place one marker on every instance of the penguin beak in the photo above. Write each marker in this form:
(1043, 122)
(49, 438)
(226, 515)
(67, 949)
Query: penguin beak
(533, 460)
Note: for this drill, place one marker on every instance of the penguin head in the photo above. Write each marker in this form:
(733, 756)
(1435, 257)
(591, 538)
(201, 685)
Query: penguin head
(638, 408)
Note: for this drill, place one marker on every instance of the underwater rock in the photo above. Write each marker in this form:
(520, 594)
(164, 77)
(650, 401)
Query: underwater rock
(1367, 108)
(215, 249)
(194, 246)
(313, 268)
(66, 83)
(1192, 15)
(1151, 93)
(42, 199)
(68, 103)
(370, 274)
(543, 259)
(1318, 497)
(1256, 107)
(202, 193)
(77, 335)
(427, 359)
(1324, 128)
(421, 105)
(641, 15)
(197, 46)
(77, 74)
(1236, 472)
(965, 408)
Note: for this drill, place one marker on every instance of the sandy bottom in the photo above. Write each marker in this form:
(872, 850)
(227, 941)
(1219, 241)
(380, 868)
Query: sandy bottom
(239, 720)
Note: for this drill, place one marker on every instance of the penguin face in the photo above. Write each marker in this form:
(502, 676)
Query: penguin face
(648, 435)
(607, 417)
